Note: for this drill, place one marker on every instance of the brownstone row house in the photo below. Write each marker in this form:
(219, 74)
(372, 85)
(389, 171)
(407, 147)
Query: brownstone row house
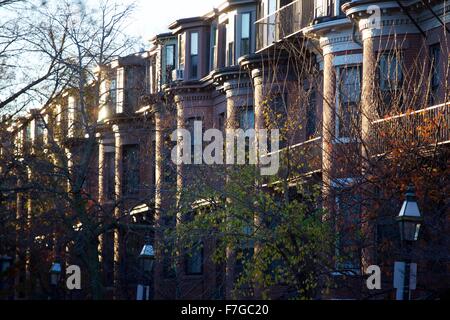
(341, 71)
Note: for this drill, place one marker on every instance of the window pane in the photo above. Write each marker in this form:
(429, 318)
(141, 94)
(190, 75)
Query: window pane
(194, 43)
(130, 162)
(272, 6)
(311, 116)
(170, 55)
(194, 66)
(109, 175)
(247, 119)
(349, 98)
(194, 260)
(245, 31)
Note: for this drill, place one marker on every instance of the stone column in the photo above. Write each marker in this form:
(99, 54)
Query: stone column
(180, 103)
(328, 126)
(368, 103)
(258, 101)
(181, 145)
(230, 125)
(117, 211)
(258, 98)
(159, 181)
(368, 112)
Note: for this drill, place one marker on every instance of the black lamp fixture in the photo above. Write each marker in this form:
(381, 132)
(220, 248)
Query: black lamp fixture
(410, 218)
(147, 256)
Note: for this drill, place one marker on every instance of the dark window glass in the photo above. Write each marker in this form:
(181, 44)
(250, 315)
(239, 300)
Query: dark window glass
(279, 116)
(311, 116)
(349, 96)
(190, 127)
(247, 118)
(390, 76)
(194, 260)
(221, 122)
(109, 172)
(170, 61)
(347, 223)
(435, 58)
(130, 178)
(231, 53)
(113, 93)
(194, 55)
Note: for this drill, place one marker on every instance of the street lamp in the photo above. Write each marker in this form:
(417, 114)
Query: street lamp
(147, 259)
(410, 221)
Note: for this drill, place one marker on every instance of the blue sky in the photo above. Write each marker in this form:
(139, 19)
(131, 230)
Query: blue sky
(153, 16)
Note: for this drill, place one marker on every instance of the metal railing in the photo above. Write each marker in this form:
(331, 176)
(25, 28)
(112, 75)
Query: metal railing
(429, 126)
(283, 23)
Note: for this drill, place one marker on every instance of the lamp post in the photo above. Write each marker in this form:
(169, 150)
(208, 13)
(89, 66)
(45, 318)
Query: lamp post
(146, 259)
(55, 277)
(410, 221)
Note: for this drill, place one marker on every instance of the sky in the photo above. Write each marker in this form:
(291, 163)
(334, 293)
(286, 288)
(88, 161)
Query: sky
(153, 16)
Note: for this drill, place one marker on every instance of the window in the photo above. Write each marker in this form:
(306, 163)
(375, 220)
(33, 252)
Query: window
(109, 172)
(435, 58)
(213, 46)
(120, 83)
(130, 174)
(323, 8)
(113, 92)
(168, 263)
(271, 26)
(194, 260)
(221, 122)
(311, 116)
(170, 61)
(349, 95)
(390, 76)
(279, 117)
(247, 119)
(194, 55)
(230, 53)
(245, 33)
(182, 47)
(272, 7)
(40, 127)
(190, 126)
(347, 222)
